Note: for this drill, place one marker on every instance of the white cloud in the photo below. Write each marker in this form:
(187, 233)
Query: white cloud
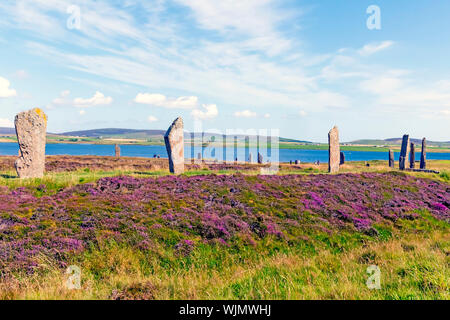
(82, 112)
(267, 115)
(394, 91)
(210, 112)
(152, 119)
(245, 114)
(159, 100)
(5, 90)
(64, 100)
(302, 113)
(380, 85)
(372, 48)
(6, 123)
(97, 100)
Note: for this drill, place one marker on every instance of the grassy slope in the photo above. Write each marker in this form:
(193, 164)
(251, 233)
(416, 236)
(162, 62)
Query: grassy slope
(413, 262)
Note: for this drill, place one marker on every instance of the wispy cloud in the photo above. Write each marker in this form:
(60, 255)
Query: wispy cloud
(152, 119)
(160, 100)
(245, 114)
(372, 48)
(98, 99)
(210, 112)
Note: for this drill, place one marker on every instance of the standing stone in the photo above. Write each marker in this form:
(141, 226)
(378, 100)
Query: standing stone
(250, 158)
(412, 156)
(423, 155)
(117, 150)
(342, 158)
(174, 139)
(297, 161)
(404, 153)
(31, 127)
(391, 159)
(333, 150)
(199, 156)
(260, 158)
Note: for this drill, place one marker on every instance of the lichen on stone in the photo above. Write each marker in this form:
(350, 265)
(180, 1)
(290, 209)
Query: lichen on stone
(40, 113)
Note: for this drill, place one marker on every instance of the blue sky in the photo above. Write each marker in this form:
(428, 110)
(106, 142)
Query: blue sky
(297, 66)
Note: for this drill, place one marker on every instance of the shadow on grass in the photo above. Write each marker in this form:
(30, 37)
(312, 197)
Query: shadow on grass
(150, 173)
(8, 176)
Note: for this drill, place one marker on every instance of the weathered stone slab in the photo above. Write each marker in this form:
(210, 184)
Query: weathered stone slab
(333, 150)
(391, 159)
(297, 161)
(342, 158)
(117, 150)
(31, 128)
(404, 153)
(423, 155)
(412, 156)
(174, 139)
(250, 158)
(260, 158)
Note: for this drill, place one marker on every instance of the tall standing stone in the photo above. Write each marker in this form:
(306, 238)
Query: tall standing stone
(404, 153)
(250, 158)
(31, 127)
(260, 158)
(117, 150)
(412, 156)
(342, 158)
(174, 139)
(423, 155)
(333, 150)
(391, 159)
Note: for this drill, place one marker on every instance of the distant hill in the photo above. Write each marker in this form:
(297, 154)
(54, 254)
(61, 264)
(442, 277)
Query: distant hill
(115, 133)
(7, 131)
(145, 134)
(398, 141)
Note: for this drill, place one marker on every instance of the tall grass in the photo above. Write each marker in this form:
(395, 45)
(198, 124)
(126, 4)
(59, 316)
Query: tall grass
(412, 267)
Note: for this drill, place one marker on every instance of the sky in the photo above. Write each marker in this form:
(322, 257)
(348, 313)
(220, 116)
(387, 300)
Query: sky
(376, 69)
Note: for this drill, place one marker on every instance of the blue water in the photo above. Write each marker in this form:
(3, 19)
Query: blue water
(285, 155)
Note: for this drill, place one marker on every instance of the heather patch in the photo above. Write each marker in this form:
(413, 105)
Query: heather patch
(183, 214)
